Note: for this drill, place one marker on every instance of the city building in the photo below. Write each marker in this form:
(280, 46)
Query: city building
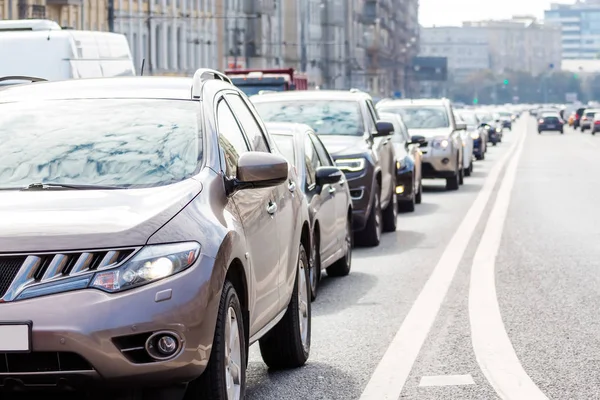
(466, 49)
(580, 26)
(521, 44)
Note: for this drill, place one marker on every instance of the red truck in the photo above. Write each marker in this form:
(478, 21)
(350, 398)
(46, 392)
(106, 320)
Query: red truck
(253, 81)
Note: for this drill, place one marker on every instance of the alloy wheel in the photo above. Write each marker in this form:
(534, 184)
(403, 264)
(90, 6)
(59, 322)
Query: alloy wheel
(303, 304)
(233, 356)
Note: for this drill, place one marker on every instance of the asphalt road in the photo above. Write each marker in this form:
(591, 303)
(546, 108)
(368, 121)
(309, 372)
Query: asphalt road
(489, 292)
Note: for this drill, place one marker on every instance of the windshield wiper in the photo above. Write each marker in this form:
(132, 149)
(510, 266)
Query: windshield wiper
(58, 186)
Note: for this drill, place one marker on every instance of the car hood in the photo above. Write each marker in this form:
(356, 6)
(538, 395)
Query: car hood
(340, 145)
(88, 219)
(430, 133)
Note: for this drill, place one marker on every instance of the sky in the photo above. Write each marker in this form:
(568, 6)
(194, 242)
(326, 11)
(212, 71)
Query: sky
(453, 12)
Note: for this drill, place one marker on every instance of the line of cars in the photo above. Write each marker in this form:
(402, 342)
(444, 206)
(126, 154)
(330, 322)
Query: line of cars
(173, 222)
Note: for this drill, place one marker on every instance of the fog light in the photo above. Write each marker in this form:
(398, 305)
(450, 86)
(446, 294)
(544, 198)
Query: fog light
(167, 345)
(445, 161)
(399, 189)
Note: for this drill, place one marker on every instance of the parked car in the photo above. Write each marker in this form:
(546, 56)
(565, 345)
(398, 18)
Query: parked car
(431, 123)
(468, 145)
(157, 216)
(328, 197)
(409, 187)
(478, 134)
(349, 127)
(550, 122)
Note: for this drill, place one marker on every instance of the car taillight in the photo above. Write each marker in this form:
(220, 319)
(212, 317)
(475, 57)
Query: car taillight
(597, 122)
(584, 118)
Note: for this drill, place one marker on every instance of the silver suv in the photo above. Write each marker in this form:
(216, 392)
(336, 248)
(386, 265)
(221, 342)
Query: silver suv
(431, 124)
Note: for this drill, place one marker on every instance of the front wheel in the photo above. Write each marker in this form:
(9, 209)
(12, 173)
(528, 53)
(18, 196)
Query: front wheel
(343, 266)
(287, 345)
(225, 375)
(390, 214)
(315, 268)
(371, 235)
(453, 183)
(419, 196)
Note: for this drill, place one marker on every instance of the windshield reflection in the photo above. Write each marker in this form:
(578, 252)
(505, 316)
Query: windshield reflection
(129, 143)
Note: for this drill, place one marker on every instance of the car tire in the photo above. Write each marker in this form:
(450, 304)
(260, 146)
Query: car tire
(453, 183)
(315, 268)
(562, 132)
(343, 266)
(539, 132)
(287, 345)
(461, 176)
(213, 383)
(371, 235)
(390, 214)
(419, 196)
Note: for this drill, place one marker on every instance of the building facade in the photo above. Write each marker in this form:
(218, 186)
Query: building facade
(580, 26)
(467, 49)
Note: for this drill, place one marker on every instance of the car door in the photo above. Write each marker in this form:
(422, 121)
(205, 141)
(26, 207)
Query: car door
(342, 196)
(257, 216)
(324, 203)
(282, 198)
(384, 148)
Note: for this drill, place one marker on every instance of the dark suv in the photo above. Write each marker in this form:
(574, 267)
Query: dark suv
(349, 127)
(149, 233)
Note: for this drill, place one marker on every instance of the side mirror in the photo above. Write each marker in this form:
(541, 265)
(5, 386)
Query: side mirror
(417, 139)
(461, 126)
(384, 129)
(257, 169)
(328, 175)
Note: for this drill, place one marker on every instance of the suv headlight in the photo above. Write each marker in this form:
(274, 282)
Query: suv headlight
(351, 164)
(151, 264)
(441, 143)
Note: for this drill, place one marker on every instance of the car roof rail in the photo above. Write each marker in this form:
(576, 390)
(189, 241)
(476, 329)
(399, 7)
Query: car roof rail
(203, 75)
(22, 78)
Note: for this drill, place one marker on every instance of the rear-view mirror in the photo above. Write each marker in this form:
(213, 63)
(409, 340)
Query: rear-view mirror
(461, 126)
(328, 175)
(417, 139)
(384, 129)
(257, 169)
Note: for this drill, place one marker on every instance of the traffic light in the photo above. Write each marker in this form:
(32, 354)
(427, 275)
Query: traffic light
(576, 76)
(506, 81)
(475, 100)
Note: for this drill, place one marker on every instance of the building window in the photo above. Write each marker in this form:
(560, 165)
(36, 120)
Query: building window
(180, 49)
(158, 45)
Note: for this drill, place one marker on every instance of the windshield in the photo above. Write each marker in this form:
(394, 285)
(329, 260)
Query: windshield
(326, 117)
(420, 117)
(125, 143)
(468, 117)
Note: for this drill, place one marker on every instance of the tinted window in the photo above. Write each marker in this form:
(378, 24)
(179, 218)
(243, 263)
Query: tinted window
(251, 127)
(324, 116)
(420, 117)
(285, 144)
(131, 143)
(324, 156)
(231, 138)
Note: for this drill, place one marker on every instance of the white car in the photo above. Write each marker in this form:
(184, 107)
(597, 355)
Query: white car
(467, 141)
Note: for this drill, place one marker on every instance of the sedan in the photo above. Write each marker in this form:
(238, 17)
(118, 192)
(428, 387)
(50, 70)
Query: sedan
(550, 122)
(328, 197)
(409, 189)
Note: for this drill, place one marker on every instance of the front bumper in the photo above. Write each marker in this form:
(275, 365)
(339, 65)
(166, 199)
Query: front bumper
(361, 187)
(405, 183)
(548, 127)
(97, 328)
(438, 163)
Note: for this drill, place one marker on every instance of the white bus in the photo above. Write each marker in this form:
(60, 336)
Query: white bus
(42, 49)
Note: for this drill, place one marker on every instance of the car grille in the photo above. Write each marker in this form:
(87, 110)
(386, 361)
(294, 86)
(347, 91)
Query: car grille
(18, 272)
(40, 361)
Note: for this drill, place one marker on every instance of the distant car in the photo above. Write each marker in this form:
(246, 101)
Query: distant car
(479, 135)
(587, 119)
(572, 118)
(596, 123)
(431, 123)
(550, 122)
(488, 124)
(348, 125)
(505, 118)
(578, 115)
(467, 141)
(409, 188)
(328, 197)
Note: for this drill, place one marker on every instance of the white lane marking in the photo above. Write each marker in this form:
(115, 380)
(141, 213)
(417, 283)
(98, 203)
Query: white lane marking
(446, 380)
(391, 373)
(493, 350)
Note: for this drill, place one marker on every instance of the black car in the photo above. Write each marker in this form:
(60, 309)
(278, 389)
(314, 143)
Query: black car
(551, 122)
(328, 197)
(349, 127)
(409, 188)
(578, 116)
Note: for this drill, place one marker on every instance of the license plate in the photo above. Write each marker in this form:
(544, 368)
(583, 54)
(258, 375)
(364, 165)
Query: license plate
(15, 337)
(551, 126)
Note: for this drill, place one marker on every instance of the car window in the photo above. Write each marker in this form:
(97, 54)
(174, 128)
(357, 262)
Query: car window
(324, 156)
(251, 127)
(312, 162)
(108, 142)
(231, 138)
(285, 144)
(420, 116)
(373, 114)
(325, 117)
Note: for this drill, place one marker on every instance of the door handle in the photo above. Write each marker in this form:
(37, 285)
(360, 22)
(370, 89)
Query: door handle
(331, 190)
(272, 207)
(342, 182)
(292, 186)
